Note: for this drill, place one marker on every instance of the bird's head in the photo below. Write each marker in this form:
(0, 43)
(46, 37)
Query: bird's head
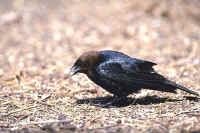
(85, 63)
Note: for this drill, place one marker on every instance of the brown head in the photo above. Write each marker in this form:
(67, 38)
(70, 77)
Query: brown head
(85, 63)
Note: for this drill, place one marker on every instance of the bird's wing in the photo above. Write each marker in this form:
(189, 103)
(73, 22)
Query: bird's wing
(142, 65)
(129, 72)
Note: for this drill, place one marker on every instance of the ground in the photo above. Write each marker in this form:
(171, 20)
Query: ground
(41, 40)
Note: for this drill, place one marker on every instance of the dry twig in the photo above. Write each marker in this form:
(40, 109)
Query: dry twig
(43, 122)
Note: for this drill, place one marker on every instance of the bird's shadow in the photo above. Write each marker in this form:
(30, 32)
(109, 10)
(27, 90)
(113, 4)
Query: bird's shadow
(126, 102)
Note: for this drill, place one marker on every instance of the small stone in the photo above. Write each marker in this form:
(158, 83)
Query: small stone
(119, 121)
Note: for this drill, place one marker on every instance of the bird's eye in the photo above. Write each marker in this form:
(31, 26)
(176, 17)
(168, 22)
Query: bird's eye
(84, 64)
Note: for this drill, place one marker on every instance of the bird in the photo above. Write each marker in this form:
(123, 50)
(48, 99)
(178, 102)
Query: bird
(121, 75)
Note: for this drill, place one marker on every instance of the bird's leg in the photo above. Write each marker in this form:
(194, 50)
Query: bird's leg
(134, 101)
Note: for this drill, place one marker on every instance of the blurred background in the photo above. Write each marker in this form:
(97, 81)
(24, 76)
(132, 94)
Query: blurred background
(39, 33)
(40, 39)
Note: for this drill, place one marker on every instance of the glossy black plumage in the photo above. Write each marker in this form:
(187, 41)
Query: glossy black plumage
(122, 75)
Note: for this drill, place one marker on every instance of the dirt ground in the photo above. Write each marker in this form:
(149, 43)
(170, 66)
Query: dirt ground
(40, 40)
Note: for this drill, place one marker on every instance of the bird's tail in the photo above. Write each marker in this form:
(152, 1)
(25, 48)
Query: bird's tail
(175, 85)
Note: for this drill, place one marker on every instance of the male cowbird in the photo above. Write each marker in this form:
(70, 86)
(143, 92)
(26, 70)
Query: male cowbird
(122, 75)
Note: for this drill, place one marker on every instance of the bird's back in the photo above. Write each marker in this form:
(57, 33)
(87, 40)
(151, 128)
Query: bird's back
(109, 54)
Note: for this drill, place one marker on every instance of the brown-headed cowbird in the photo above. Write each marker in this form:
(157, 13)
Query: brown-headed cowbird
(121, 74)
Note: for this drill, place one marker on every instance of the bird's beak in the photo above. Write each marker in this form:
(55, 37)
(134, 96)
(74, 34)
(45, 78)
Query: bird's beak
(74, 70)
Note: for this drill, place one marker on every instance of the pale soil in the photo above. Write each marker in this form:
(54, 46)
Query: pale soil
(40, 41)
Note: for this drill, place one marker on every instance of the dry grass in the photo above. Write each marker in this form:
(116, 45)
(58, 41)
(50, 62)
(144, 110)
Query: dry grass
(40, 41)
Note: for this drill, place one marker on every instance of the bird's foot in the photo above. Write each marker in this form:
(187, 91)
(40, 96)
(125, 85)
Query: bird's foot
(134, 101)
